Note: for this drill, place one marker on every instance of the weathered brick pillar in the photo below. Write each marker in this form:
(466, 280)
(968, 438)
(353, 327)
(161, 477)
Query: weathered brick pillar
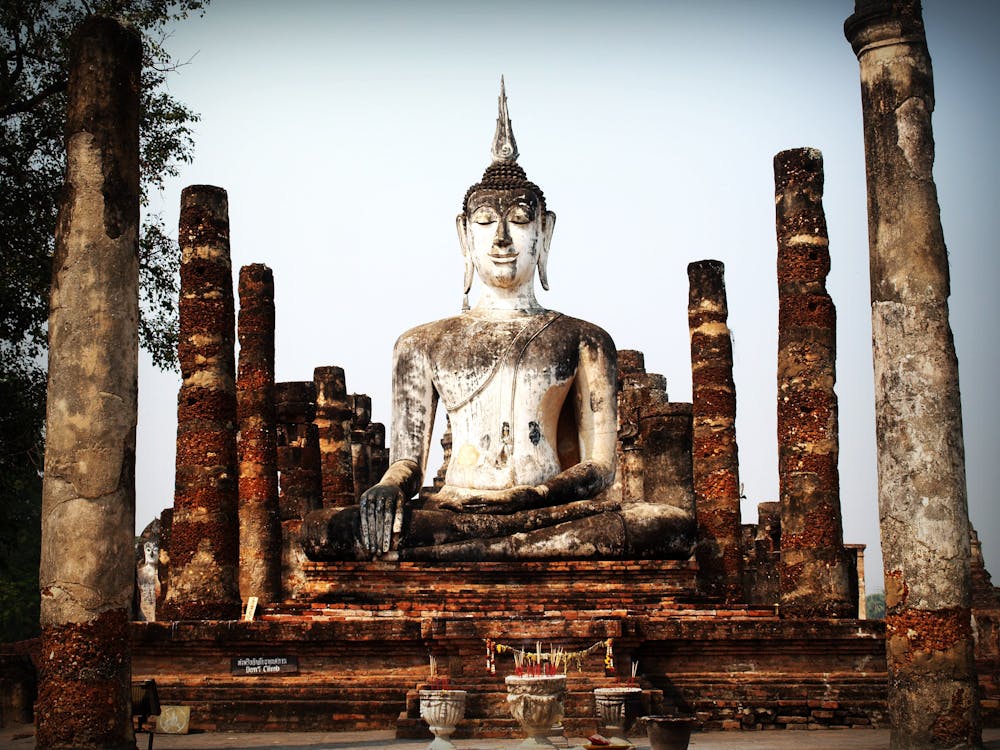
(375, 434)
(814, 569)
(87, 568)
(446, 445)
(256, 444)
(921, 457)
(163, 569)
(629, 473)
(301, 486)
(333, 419)
(714, 458)
(361, 454)
(204, 549)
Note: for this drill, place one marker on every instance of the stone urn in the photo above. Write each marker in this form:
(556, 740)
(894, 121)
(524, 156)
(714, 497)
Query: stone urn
(442, 710)
(669, 732)
(537, 704)
(617, 710)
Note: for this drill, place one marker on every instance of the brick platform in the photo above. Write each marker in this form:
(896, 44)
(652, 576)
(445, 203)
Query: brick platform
(363, 649)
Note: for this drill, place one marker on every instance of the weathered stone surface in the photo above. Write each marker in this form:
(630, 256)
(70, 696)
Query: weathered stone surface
(163, 566)
(334, 413)
(762, 556)
(87, 572)
(301, 486)
(378, 451)
(986, 630)
(654, 439)
(204, 550)
(921, 466)
(714, 458)
(815, 568)
(256, 443)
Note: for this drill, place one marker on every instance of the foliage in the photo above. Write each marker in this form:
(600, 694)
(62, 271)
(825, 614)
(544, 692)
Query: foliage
(33, 74)
(875, 605)
(21, 389)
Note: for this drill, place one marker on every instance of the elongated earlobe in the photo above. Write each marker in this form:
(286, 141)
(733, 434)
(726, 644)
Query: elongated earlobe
(461, 224)
(543, 251)
(469, 269)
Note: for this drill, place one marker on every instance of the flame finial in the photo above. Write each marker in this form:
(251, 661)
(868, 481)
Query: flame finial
(504, 145)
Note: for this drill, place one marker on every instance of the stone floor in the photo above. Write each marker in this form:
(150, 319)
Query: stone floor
(845, 739)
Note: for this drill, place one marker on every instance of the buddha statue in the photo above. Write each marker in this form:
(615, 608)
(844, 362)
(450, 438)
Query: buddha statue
(531, 400)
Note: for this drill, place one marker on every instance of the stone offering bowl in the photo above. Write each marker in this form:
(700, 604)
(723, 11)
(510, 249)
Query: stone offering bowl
(669, 732)
(442, 710)
(537, 704)
(617, 710)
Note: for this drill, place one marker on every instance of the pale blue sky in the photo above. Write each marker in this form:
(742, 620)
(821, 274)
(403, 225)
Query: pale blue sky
(347, 133)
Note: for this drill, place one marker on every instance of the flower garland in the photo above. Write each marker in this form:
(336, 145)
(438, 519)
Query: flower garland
(555, 661)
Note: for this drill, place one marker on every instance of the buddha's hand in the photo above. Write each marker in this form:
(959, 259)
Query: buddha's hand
(379, 508)
(521, 497)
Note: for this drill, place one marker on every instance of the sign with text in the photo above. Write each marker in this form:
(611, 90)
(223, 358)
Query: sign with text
(260, 665)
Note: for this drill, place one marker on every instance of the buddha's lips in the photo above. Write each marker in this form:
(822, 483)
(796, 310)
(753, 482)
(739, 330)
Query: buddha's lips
(503, 258)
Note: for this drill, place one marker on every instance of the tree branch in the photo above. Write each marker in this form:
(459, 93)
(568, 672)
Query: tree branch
(25, 105)
(11, 78)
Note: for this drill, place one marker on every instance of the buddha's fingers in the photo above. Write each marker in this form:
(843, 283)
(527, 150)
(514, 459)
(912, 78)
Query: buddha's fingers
(365, 523)
(385, 524)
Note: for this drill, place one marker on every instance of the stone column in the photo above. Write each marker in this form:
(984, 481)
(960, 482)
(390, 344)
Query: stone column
(333, 420)
(204, 549)
(301, 486)
(87, 568)
(921, 457)
(814, 569)
(163, 568)
(375, 435)
(633, 388)
(257, 452)
(714, 458)
(361, 455)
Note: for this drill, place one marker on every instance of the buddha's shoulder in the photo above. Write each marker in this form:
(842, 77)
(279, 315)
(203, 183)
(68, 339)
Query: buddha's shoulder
(425, 335)
(584, 331)
(433, 328)
(447, 329)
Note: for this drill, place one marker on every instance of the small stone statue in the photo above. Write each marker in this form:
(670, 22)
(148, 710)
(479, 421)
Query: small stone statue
(530, 395)
(147, 581)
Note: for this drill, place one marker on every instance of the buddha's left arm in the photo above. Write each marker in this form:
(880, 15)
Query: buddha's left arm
(596, 405)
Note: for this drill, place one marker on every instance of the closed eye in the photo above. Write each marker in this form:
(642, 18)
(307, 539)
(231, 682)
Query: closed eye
(520, 214)
(485, 215)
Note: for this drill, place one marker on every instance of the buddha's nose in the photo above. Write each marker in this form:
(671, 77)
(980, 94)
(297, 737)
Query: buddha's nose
(502, 238)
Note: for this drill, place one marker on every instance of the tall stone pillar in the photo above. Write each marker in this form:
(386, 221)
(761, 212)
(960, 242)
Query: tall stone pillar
(921, 457)
(714, 458)
(814, 568)
(87, 568)
(256, 445)
(204, 551)
(334, 413)
(301, 486)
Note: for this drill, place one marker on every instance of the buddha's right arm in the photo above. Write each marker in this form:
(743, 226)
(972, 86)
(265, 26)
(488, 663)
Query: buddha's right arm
(404, 474)
(414, 401)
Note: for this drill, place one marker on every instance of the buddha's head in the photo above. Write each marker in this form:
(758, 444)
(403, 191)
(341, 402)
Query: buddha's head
(504, 228)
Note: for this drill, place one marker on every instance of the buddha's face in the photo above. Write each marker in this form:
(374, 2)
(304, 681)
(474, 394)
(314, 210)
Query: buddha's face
(505, 234)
